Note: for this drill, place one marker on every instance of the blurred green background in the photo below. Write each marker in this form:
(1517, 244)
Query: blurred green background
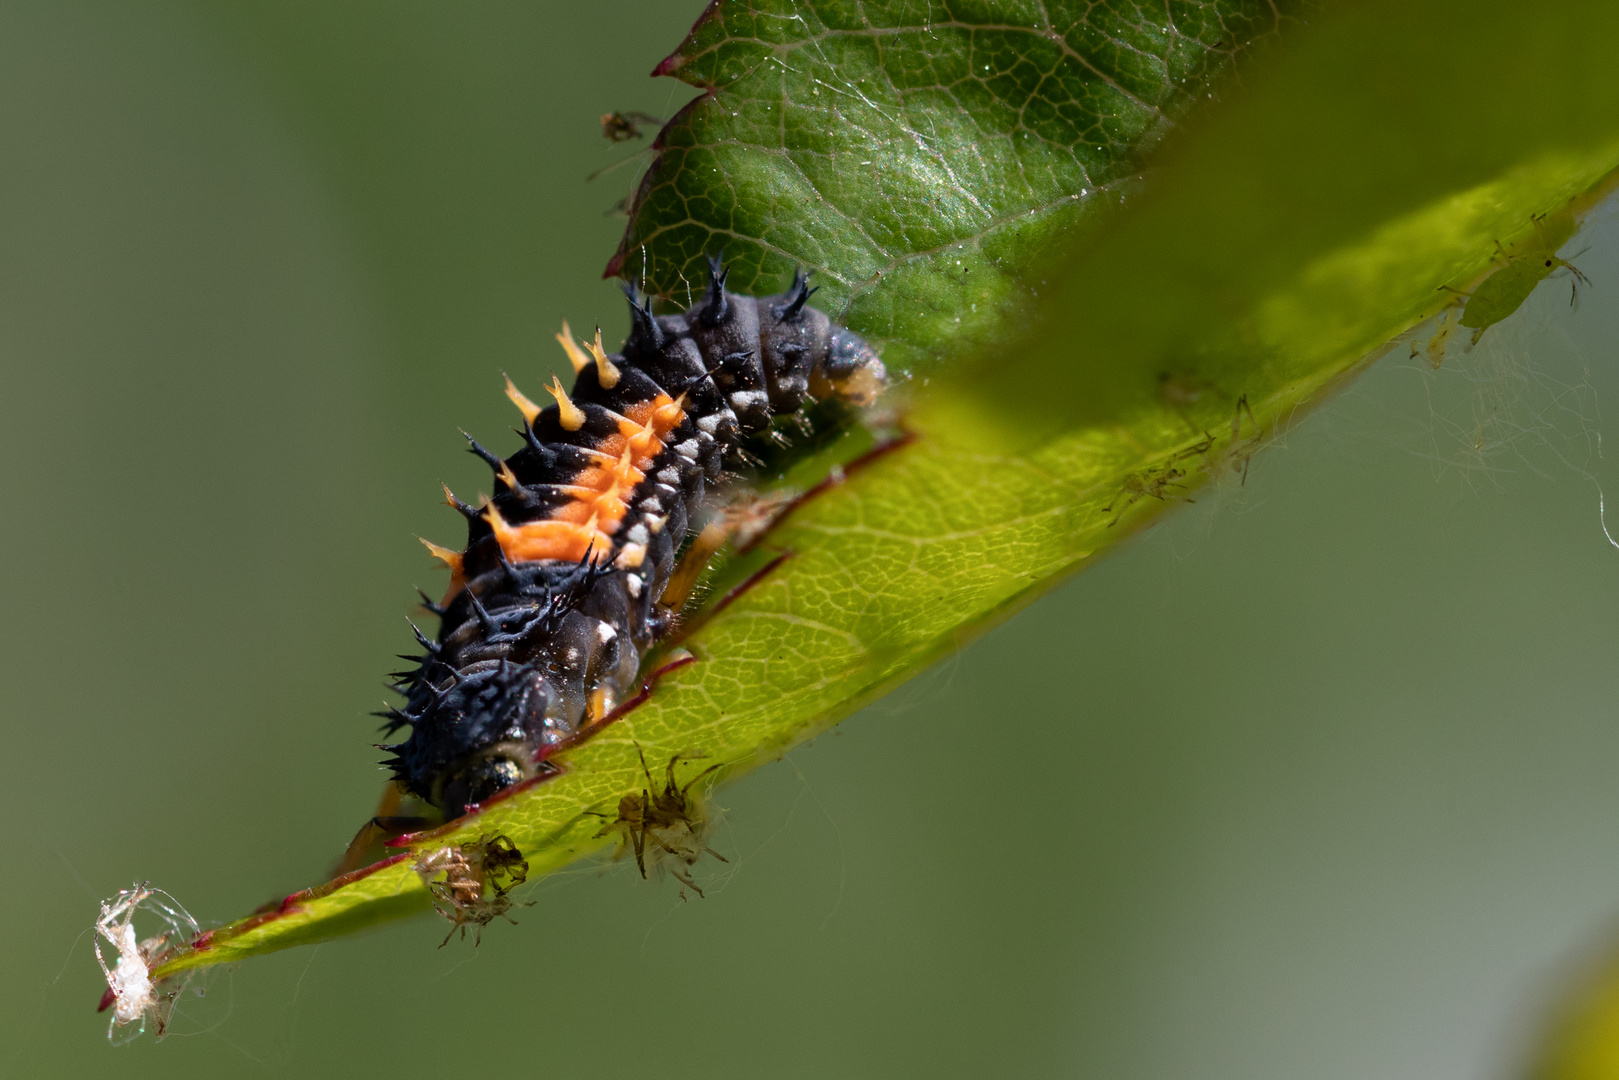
(1346, 802)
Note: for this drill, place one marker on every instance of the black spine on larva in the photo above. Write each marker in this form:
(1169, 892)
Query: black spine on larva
(530, 652)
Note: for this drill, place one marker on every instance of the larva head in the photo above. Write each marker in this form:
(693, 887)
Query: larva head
(473, 735)
(475, 779)
(807, 354)
(850, 371)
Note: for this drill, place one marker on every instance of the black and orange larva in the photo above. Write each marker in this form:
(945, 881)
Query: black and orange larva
(558, 593)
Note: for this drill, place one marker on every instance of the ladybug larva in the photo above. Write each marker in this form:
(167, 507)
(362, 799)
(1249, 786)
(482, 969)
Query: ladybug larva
(560, 589)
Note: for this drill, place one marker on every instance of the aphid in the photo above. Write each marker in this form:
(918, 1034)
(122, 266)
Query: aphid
(1183, 390)
(1159, 481)
(1151, 483)
(1180, 390)
(1504, 291)
(560, 590)
(621, 126)
(477, 878)
(1237, 449)
(671, 822)
(131, 993)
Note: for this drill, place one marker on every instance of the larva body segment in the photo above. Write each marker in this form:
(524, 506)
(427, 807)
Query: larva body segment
(555, 598)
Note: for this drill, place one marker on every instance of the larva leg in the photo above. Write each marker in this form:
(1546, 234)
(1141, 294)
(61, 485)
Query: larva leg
(690, 567)
(384, 825)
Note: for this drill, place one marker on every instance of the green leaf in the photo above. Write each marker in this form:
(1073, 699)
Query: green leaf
(918, 155)
(1582, 1041)
(1088, 344)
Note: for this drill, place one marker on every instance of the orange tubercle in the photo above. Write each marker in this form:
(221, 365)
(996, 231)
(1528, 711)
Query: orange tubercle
(576, 356)
(598, 495)
(569, 415)
(449, 558)
(518, 398)
(534, 541)
(606, 374)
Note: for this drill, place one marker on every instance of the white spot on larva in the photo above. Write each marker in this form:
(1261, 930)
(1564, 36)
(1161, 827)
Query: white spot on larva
(632, 585)
(605, 633)
(708, 424)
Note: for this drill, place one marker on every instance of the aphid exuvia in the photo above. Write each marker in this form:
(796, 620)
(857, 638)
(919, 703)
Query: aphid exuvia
(134, 997)
(666, 823)
(471, 883)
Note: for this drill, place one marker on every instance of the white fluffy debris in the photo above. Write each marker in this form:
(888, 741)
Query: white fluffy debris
(132, 995)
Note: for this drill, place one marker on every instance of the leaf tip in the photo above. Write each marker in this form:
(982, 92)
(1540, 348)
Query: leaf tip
(677, 59)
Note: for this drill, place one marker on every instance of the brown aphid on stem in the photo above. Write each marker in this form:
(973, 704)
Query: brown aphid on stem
(477, 880)
(669, 823)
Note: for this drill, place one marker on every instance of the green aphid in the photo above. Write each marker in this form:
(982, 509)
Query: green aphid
(1504, 291)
